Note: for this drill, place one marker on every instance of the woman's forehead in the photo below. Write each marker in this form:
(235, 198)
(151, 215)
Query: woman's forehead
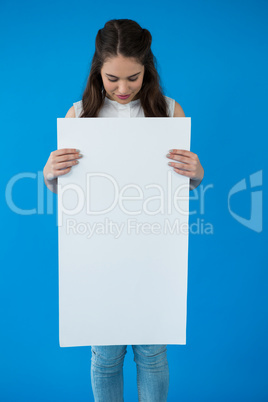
(122, 64)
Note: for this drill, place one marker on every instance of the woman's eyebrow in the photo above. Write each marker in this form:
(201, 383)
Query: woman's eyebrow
(114, 76)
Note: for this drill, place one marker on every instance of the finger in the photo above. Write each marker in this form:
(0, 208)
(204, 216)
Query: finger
(51, 176)
(67, 157)
(65, 151)
(178, 158)
(184, 172)
(183, 166)
(63, 165)
(183, 152)
(63, 171)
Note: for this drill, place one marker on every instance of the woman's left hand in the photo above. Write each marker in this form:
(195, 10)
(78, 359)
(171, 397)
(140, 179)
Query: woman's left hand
(189, 165)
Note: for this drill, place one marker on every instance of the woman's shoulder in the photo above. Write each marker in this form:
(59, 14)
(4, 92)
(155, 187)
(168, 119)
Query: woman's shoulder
(75, 110)
(71, 112)
(178, 110)
(175, 109)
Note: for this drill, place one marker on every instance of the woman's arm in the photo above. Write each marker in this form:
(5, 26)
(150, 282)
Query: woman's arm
(195, 169)
(50, 180)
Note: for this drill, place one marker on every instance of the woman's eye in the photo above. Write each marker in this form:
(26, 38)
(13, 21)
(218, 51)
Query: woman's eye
(133, 79)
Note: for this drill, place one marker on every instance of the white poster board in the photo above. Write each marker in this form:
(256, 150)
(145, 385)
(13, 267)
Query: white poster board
(123, 232)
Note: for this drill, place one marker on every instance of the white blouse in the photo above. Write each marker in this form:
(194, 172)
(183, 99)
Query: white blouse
(111, 108)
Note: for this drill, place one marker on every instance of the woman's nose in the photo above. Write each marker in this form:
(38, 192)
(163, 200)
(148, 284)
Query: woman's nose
(123, 89)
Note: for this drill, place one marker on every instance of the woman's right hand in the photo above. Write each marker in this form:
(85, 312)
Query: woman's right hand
(63, 159)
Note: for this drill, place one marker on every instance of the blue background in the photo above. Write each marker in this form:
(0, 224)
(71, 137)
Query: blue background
(212, 59)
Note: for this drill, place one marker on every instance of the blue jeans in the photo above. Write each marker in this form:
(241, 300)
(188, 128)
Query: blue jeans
(107, 372)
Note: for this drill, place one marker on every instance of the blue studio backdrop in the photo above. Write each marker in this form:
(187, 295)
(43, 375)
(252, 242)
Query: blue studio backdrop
(213, 60)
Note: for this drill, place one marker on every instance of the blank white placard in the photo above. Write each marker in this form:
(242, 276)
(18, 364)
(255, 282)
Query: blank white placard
(123, 261)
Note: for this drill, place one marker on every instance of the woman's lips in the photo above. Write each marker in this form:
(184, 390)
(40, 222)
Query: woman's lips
(123, 96)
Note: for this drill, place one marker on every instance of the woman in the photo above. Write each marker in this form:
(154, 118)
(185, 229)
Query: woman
(123, 81)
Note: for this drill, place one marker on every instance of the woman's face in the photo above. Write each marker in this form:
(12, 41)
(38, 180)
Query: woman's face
(122, 76)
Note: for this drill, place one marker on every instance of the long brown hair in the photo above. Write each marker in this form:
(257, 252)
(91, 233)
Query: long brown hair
(126, 38)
